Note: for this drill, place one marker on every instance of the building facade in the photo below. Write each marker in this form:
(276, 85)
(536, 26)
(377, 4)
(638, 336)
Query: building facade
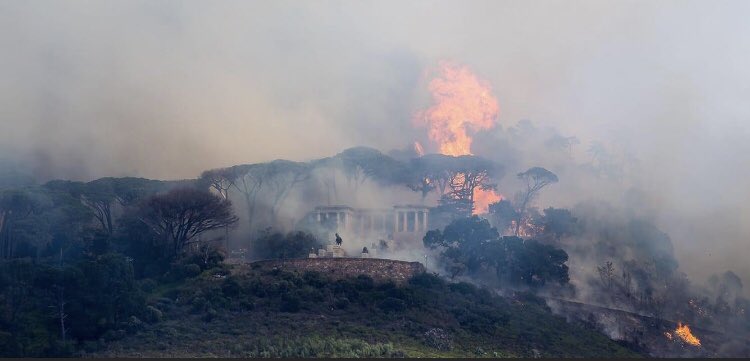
(402, 225)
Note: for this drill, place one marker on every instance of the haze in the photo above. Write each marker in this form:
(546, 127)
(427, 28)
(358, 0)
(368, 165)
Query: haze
(166, 89)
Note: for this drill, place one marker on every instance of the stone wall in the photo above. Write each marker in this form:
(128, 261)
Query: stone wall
(381, 270)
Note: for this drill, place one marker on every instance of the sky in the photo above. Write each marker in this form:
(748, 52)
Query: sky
(166, 89)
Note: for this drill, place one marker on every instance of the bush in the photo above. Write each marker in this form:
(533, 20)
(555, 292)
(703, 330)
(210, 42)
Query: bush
(290, 303)
(341, 303)
(275, 245)
(314, 279)
(210, 315)
(114, 335)
(439, 339)
(191, 270)
(198, 304)
(392, 304)
(426, 280)
(180, 272)
(206, 257)
(133, 324)
(364, 283)
(231, 288)
(148, 285)
(247, 305)
(152, 314)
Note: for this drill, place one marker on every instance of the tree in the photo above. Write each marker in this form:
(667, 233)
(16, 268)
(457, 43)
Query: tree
(535, 179)
(183, 214)
(607, 274)
(503, 214)
(22, 222)
(472, 173)
(324, 171)
(221, 180)
(283, 176)
(275, 245)
(471, 245)
(434, 169)
(362, 163)
(99, 195)
(559, 222)
(531, 263)
(250, 178)
(103, 195)
(276, 178)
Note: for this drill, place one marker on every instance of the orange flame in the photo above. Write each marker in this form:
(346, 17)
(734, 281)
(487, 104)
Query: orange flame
(683, 331)
(462, 103)
(483, 199)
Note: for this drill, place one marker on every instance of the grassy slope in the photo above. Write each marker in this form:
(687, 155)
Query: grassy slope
(255, 313)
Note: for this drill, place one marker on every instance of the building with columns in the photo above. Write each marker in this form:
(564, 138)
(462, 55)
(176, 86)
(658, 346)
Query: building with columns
(402, 225)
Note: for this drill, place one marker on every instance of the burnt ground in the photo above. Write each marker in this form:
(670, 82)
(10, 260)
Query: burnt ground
(649, 333)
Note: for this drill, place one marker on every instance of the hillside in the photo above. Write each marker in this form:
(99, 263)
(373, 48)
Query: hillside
(246, 310)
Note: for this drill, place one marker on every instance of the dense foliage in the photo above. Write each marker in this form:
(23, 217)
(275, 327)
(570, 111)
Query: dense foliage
(471, 246)
(250, 312)
(276, 245)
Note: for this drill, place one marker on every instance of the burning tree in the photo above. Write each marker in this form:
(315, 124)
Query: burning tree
(462, 103)
(431, 172)
(472, 173)
(457, 179)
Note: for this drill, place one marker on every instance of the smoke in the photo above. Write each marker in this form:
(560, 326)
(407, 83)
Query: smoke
(166, 89)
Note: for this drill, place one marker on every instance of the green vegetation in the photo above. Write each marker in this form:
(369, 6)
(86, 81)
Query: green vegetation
(249, 312)
(472, 246)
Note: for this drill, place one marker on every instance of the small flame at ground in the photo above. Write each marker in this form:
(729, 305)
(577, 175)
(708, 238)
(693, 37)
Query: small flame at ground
(683, 331)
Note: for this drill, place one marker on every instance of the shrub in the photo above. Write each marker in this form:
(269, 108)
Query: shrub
(133, 324)
(364, 283)
(153, 314)
(290, 303)
(191, 270)
(392, 304)
(182, 271)
(210, 315)
(314, 279)
(341, 303)
(439, 339)
(247, 305)
(426, 280)
(231, 288)
(463, 288)
(198, 304)
(148, 285)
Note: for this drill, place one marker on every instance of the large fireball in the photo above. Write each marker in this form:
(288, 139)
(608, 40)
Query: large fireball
(462, 104)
